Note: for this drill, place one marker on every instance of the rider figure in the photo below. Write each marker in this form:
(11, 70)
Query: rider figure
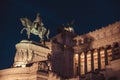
(39, 26)
(38, 22)
(36, 28)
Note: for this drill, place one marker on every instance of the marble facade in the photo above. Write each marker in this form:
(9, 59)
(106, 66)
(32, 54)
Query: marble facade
(98, 49)
(80, 55)
(72, 56)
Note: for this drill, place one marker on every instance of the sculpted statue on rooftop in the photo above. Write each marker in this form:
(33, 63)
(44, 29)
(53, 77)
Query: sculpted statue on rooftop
(36, 27)
(69, 27)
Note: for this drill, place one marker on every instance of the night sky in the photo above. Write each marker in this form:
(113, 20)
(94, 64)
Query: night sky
(89, 15)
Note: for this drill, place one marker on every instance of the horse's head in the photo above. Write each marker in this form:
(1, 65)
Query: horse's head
(26, 22)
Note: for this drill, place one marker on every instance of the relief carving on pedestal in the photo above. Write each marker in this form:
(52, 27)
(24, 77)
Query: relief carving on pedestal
(29, 53)
(23, 57)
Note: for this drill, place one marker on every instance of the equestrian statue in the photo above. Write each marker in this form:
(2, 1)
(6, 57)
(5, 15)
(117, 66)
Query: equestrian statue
(36, 27)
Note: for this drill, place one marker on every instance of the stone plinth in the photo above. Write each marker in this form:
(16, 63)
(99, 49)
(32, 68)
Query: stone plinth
(29, 52)
(27, 73)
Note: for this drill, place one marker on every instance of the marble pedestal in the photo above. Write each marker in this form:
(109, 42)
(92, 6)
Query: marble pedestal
(29, 52)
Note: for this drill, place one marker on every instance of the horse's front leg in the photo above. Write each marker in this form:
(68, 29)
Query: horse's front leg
(23, 30)
(28, 33)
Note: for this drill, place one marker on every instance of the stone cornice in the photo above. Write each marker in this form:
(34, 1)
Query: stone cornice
(29, 46)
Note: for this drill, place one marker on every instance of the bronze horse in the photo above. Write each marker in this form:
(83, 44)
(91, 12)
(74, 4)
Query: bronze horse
(36, 28)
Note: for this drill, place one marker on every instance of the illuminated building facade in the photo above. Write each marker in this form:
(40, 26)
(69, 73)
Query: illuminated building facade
(79, 55)
(70, 56)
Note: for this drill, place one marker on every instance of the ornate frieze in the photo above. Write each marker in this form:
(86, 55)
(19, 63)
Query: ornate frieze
(28, 53)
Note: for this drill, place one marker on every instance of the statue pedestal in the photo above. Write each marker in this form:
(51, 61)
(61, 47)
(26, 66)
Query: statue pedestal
(29, 52)
(32, 54)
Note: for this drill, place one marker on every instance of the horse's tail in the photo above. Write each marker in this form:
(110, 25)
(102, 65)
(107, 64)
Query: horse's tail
(47, 34)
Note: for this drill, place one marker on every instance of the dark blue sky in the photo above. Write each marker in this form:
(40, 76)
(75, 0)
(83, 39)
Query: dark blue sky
(88, 15)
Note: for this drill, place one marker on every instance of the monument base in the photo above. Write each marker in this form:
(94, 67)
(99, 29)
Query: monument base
(29, 52)
(30, 63)
(27, 73)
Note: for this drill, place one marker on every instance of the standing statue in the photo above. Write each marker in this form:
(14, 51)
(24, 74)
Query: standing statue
(36, 27)
(69, 27)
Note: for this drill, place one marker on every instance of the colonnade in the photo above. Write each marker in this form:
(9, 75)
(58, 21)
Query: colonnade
(89, 60)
